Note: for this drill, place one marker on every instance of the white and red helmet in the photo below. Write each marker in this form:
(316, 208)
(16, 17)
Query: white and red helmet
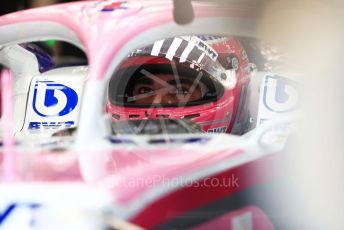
(203, 79)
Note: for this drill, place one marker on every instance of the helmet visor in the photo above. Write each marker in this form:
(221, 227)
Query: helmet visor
(148, 84)
(179, 71)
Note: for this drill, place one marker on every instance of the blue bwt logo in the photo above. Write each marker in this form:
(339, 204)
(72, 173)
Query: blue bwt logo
(16, 210)
(280, 94)
(51, 99)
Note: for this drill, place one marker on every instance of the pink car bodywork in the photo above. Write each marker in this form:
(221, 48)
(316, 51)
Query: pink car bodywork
(138, 177)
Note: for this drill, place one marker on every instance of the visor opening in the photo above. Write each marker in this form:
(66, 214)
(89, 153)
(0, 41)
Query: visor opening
(191, 116)
(133, 116)
(116, 116)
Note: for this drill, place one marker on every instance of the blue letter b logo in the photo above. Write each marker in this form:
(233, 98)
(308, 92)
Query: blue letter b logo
(53, 99)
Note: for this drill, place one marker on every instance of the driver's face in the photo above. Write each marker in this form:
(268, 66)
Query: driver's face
(165, 89)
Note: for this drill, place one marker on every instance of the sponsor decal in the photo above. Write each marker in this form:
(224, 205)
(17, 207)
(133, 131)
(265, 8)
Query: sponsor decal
(51, 99)
(50, 125)
(222, 129)
(15, 212)
(208, 50)
(203, 46)
(109, 6)
(280, 94)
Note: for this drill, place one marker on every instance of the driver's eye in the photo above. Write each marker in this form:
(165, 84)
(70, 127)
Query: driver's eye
(143, 90)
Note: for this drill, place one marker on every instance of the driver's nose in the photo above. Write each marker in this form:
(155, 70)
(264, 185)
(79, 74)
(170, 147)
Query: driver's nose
(157, 99)
(165, 98)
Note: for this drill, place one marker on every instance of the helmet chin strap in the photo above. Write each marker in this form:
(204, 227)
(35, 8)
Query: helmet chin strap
(183, 12)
